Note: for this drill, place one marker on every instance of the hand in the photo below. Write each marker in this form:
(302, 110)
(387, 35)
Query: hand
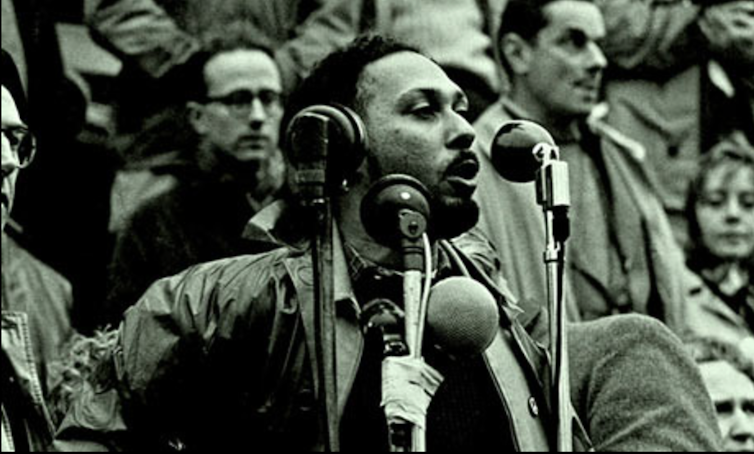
(407, 389)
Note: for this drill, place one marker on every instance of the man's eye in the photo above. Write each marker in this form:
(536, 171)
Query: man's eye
(424, 111)
(269, 97)
(239, 99)
(747, 201)
(462, 110)
(13, 136)
(578, 40)
(575, 39)
(724, 408)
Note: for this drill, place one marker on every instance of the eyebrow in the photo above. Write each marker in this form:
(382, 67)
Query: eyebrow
(16, 127)
(574, 32)
(433, 94)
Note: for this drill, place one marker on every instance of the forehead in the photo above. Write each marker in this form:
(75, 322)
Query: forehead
(730, 176)
(573, 15)
(9, 110)
(241, 68)
(403, 73)
(725, 382)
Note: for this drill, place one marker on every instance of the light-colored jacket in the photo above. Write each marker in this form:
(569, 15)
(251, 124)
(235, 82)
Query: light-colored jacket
(653, 263)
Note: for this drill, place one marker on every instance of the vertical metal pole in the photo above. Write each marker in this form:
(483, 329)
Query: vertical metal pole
(553, 194)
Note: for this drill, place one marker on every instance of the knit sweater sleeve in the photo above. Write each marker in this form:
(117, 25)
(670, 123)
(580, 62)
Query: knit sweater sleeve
(636, 389)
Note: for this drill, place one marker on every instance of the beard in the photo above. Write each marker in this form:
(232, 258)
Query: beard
(451, 214)
(452, 217)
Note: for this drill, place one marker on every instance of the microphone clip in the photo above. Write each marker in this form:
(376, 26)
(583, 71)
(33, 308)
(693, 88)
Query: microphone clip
(385, 316)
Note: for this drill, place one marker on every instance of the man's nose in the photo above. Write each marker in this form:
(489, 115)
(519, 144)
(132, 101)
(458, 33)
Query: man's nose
(596, 57)
(742, 428)
(462, 134)
(258, 112)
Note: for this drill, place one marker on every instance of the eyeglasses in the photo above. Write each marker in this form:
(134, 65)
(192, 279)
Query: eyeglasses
(22, 144)
(240, 103)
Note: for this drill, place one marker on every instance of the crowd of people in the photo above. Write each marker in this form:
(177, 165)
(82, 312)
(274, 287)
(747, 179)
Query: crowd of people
(157, 286)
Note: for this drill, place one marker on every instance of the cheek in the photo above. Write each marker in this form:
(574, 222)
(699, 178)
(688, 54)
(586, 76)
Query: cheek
(552, 82)
(222, 132)
(416, 153)
(708, 219)
(748, 219)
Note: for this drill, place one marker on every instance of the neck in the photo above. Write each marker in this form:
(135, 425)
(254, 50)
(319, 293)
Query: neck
(258, 179)
(354, 233)
(557, 125)
(348, 216)
(730, 277)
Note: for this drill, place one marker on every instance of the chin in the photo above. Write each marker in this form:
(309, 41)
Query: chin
(252, 155)
(451, 218)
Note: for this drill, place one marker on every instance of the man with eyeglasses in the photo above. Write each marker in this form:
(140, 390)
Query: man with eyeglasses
(18, 147)
(26, 422)
(236, 168)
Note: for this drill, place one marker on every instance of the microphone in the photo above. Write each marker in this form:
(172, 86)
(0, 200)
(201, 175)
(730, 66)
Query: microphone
(396, 208)
(523, 151)
(395, 212)
(519, 150)
(462, 316)
(325, 144)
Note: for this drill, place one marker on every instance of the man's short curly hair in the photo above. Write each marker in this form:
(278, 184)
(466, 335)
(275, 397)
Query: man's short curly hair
(336, 79)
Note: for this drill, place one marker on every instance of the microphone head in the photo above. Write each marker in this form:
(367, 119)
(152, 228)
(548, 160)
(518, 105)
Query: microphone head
(344, 140)
(512, 152)
(462, 316)
(381, 208)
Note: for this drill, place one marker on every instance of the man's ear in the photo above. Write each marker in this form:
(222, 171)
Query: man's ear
(517, 52)
(197, 117)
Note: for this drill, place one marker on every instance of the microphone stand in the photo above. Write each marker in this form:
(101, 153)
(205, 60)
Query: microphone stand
(395, 212)
(553, 195)
(412, 226)
(312, 180)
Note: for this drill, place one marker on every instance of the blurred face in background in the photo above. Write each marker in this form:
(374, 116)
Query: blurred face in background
(558, 75)
(725, 212)
(241, 115)
(729, 30)
(732, 393)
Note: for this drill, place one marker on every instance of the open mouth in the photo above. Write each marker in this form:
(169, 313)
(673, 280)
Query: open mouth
(462, 176)
(466, 169)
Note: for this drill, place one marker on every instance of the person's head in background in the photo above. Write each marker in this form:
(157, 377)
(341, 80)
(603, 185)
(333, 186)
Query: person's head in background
(728, 26)
(550, 52)
(729, 377)
(237, 102)
(720, 211)
(17, 140)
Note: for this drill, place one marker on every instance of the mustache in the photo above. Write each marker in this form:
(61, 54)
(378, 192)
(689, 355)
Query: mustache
(466, 165)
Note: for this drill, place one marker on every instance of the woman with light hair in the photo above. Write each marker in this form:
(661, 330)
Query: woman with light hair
(721, 228)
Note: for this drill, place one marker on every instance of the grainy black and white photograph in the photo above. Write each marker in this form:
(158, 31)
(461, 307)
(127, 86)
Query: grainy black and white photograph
(380, 225)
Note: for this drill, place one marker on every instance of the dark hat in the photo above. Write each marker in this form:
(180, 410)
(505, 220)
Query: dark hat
(12, 82)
